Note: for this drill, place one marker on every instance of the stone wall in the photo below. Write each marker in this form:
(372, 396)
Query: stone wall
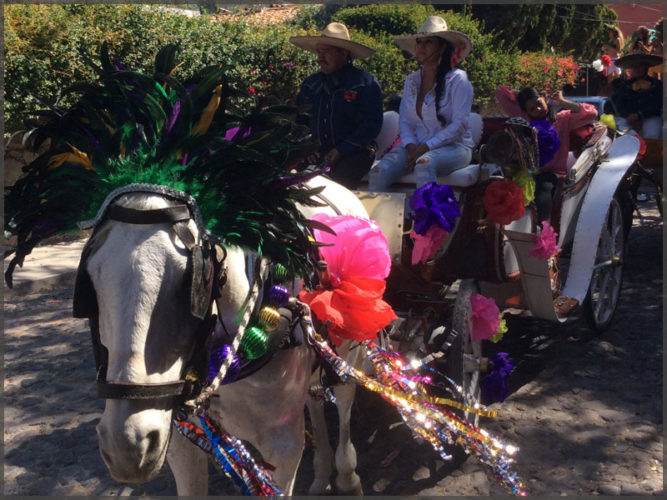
(16, 156)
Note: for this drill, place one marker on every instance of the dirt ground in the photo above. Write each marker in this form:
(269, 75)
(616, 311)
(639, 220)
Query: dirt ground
(585, 410)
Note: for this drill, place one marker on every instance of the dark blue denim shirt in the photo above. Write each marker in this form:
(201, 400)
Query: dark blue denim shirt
(346, 108)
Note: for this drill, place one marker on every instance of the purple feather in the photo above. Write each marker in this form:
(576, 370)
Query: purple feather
(90, 135)
(172, 117)
(118, 65)
(237, 133)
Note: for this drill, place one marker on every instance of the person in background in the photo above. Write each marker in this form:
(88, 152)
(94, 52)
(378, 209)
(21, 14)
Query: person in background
(433, 117)
(640, 42)
(637, 100)
(614, 43)
(345, 104)
(612, 48)
(533, 107)
(656, 50)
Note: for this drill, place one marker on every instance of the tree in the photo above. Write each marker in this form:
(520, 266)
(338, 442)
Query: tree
(569, 28)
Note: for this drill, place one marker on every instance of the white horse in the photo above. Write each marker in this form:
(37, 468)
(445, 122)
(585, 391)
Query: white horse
(139, 273)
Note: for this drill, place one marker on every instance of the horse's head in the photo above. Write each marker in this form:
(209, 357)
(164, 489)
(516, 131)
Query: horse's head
(141, 282)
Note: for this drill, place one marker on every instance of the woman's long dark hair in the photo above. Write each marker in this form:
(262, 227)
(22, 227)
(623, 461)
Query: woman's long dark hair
(443, 68)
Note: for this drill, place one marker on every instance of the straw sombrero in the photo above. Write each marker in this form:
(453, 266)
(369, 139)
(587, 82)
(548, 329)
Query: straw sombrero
(435, 26)
(335, 34)
(626, 61)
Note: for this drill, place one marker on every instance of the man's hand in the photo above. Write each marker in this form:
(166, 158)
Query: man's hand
(332, 157)
(634, 121)
(313, 159)
(414, 153)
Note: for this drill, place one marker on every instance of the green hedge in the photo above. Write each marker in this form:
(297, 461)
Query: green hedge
(44, 46)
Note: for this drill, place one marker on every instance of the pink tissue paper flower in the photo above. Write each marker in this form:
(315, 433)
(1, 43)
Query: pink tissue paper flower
(545, 243)
(485, 317)
(428, 245)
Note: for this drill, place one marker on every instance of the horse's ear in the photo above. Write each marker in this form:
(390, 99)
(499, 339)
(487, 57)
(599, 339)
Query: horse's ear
(202, 281)
(84, 303)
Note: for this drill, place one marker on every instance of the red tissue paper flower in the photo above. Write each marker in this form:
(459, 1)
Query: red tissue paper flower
(358, 263)
(503, 201)
(605, 60)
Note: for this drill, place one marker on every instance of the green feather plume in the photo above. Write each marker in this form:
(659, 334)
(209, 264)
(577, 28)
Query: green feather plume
(128, 127)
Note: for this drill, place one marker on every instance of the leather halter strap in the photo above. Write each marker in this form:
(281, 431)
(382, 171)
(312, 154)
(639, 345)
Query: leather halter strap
(140, 391)
(184, 389)
(174, 214)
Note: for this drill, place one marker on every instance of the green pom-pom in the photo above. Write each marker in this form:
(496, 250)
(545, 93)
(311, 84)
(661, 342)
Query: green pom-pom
(254, 343)
(279, 273)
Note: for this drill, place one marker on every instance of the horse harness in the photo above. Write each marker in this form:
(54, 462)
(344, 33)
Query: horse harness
(208, 271)
(208, 276)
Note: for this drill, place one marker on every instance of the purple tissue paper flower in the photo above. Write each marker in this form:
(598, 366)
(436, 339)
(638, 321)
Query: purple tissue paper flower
(434, 204)
(494, 386)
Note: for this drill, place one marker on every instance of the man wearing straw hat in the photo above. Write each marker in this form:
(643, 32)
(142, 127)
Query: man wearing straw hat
(345, 104)
(637, 101)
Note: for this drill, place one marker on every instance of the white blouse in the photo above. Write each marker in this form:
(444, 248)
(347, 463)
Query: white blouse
(455, 106)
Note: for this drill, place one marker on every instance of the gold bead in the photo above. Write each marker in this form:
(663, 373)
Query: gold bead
(269, 318)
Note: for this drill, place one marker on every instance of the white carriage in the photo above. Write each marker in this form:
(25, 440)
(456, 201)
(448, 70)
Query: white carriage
(592, 216)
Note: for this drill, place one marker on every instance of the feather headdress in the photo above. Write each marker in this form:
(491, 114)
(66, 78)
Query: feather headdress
(129, 127)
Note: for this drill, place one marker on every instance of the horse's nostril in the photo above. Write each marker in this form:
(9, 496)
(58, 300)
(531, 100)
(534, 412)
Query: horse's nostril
(106, 457)
(153, 439)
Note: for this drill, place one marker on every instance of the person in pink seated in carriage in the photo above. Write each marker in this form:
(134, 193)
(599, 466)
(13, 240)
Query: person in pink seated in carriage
(533, 107)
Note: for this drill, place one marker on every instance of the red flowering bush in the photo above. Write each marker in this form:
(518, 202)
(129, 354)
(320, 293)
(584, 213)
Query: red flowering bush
(543, 71)
(503, 201)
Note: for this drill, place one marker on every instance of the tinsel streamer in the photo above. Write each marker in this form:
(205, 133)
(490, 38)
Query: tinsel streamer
(237, 462)
(427, 417)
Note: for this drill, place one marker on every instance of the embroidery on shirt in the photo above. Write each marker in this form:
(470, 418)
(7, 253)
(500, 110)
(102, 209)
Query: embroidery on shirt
(350, 95)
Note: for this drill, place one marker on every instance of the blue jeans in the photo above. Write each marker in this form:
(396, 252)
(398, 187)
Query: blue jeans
(439, 162)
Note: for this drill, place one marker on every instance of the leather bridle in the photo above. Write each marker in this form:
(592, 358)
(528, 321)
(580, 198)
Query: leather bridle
(208, 276)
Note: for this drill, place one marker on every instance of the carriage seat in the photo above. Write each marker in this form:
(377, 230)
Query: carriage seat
(389, 136)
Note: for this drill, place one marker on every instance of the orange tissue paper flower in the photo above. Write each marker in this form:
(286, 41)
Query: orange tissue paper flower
(358, 263)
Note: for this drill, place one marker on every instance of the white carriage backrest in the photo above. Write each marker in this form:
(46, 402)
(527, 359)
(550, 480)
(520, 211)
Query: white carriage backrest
(476, 124)
(388, 133)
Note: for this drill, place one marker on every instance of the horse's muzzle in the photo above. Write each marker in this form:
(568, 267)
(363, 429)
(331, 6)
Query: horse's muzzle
(133, 445)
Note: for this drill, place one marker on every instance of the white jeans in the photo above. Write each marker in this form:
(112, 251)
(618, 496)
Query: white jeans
(430, 165)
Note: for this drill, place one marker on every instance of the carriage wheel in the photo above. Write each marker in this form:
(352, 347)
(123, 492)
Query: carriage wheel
(607, 278)
(463, 356)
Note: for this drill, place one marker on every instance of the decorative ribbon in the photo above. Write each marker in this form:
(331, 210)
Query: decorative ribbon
(236, 462)
(426, 417)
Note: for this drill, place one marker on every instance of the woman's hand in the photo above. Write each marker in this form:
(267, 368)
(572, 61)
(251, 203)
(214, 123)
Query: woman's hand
(414, 153)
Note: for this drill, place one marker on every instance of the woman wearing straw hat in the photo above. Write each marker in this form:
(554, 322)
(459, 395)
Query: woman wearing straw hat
(435, 136)
(345, 104)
